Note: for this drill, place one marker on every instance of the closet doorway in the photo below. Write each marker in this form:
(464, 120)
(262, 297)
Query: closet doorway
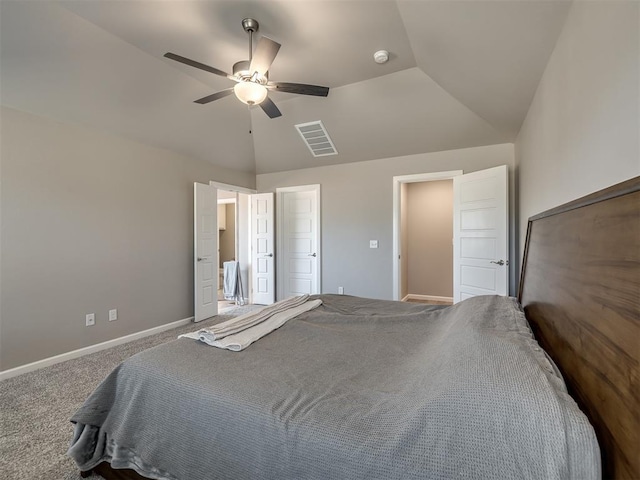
(423, 237)
(480, 234)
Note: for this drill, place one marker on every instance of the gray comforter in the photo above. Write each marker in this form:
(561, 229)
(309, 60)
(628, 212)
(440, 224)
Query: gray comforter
(356, 389)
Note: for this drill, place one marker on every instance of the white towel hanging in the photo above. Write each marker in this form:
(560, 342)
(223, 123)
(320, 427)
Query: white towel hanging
(232, 284)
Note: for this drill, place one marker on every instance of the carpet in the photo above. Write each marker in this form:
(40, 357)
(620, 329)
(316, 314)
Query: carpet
(35, 407)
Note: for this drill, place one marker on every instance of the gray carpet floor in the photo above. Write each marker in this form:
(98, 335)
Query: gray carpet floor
(35, 407)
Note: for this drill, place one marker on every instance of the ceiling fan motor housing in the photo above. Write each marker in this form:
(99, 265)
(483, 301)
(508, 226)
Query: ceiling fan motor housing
(241, 68)
(241, 71)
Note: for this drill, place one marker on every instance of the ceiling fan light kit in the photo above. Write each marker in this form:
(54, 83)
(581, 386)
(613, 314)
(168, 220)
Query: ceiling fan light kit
(249, 92)
(252, 76)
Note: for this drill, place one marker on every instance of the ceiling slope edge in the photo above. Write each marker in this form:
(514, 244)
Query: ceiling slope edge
(399, 114)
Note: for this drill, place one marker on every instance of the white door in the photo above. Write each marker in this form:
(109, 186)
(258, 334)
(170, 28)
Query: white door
(205, 250)
(263, 249)
(481, 233)
(299, 241)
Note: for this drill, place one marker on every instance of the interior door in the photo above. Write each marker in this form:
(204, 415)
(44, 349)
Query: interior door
(205, 250)
(299, 243)
(481, 233)
(263, 249)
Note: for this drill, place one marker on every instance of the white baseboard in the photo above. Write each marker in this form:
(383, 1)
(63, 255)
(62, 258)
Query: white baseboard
(63, 357)
(432, 298)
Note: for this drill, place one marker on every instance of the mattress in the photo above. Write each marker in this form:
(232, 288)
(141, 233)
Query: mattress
(357, 389)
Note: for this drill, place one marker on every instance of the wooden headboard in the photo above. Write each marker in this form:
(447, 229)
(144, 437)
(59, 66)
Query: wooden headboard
(580, 289)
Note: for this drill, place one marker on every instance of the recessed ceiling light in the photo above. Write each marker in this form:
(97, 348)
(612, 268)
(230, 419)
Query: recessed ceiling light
(381, 56)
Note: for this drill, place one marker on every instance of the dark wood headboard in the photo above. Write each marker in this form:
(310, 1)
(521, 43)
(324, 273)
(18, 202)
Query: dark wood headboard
(580, 289)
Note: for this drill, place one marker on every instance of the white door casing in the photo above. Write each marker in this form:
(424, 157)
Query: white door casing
(481, 233)
(263, 249)
(205, 250)
(298, 241)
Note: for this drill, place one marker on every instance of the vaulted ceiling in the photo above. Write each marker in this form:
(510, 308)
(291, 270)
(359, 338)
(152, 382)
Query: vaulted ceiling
(460, 74)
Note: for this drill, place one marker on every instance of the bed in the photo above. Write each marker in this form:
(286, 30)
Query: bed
(363, 388)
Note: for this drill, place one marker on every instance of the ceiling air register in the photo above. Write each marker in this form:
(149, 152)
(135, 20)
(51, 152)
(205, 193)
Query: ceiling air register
(315, 137)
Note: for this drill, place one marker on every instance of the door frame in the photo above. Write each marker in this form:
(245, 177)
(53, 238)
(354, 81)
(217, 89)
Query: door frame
(232, 188)
(280, 234)
(397, 182)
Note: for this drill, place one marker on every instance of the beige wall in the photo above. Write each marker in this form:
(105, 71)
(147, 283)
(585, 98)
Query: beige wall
(227, 244)
(91, 222)
(581, 132)
(357, 206)
(430, 238)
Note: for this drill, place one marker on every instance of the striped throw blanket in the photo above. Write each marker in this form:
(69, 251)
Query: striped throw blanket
(238, 333)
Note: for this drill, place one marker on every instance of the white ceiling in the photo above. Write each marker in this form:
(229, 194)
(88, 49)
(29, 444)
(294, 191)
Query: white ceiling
(461, 73)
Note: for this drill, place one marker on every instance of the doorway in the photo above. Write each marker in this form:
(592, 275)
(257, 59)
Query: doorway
(480, 231)
(227, 240)
(426, 226)
(405, 222)
(237, 229)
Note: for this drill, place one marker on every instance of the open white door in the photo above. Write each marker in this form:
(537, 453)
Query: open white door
(298, 241)
(205, 250)
(262, 249)
(481, 233)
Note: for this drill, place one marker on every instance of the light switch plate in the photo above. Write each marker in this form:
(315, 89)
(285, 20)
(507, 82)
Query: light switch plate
(373, 243)
(113, 315)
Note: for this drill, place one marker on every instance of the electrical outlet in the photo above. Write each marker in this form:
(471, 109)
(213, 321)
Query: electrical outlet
(113, 315)
(340, 290)
(373, 243)
(90, 319)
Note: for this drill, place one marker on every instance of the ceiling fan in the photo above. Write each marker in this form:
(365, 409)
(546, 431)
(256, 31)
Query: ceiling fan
(252, 76)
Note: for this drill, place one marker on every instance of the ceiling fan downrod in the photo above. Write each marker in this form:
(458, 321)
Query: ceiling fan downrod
(250, 25)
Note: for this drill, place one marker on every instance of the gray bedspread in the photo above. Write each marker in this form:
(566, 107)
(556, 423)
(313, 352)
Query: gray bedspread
(356, 389)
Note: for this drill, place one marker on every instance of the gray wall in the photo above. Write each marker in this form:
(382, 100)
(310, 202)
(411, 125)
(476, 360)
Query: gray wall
(91, 222)
(429, 238)
(357, 206)
(227, 243)
(581, 131)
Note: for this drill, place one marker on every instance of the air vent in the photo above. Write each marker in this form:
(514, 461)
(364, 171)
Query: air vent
(316, 138)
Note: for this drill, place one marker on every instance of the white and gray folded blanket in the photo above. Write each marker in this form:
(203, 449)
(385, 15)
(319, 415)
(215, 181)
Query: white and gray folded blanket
(238, 333)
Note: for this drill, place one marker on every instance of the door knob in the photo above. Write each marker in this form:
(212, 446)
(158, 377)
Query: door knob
(499, 262)
(269, 255)
(311, 255)
(201, 258)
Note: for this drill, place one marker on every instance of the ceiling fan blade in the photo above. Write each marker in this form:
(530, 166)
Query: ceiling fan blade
(299, 88)
(270, 108)
(193, 63)
(215, 96)
(264, 55)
